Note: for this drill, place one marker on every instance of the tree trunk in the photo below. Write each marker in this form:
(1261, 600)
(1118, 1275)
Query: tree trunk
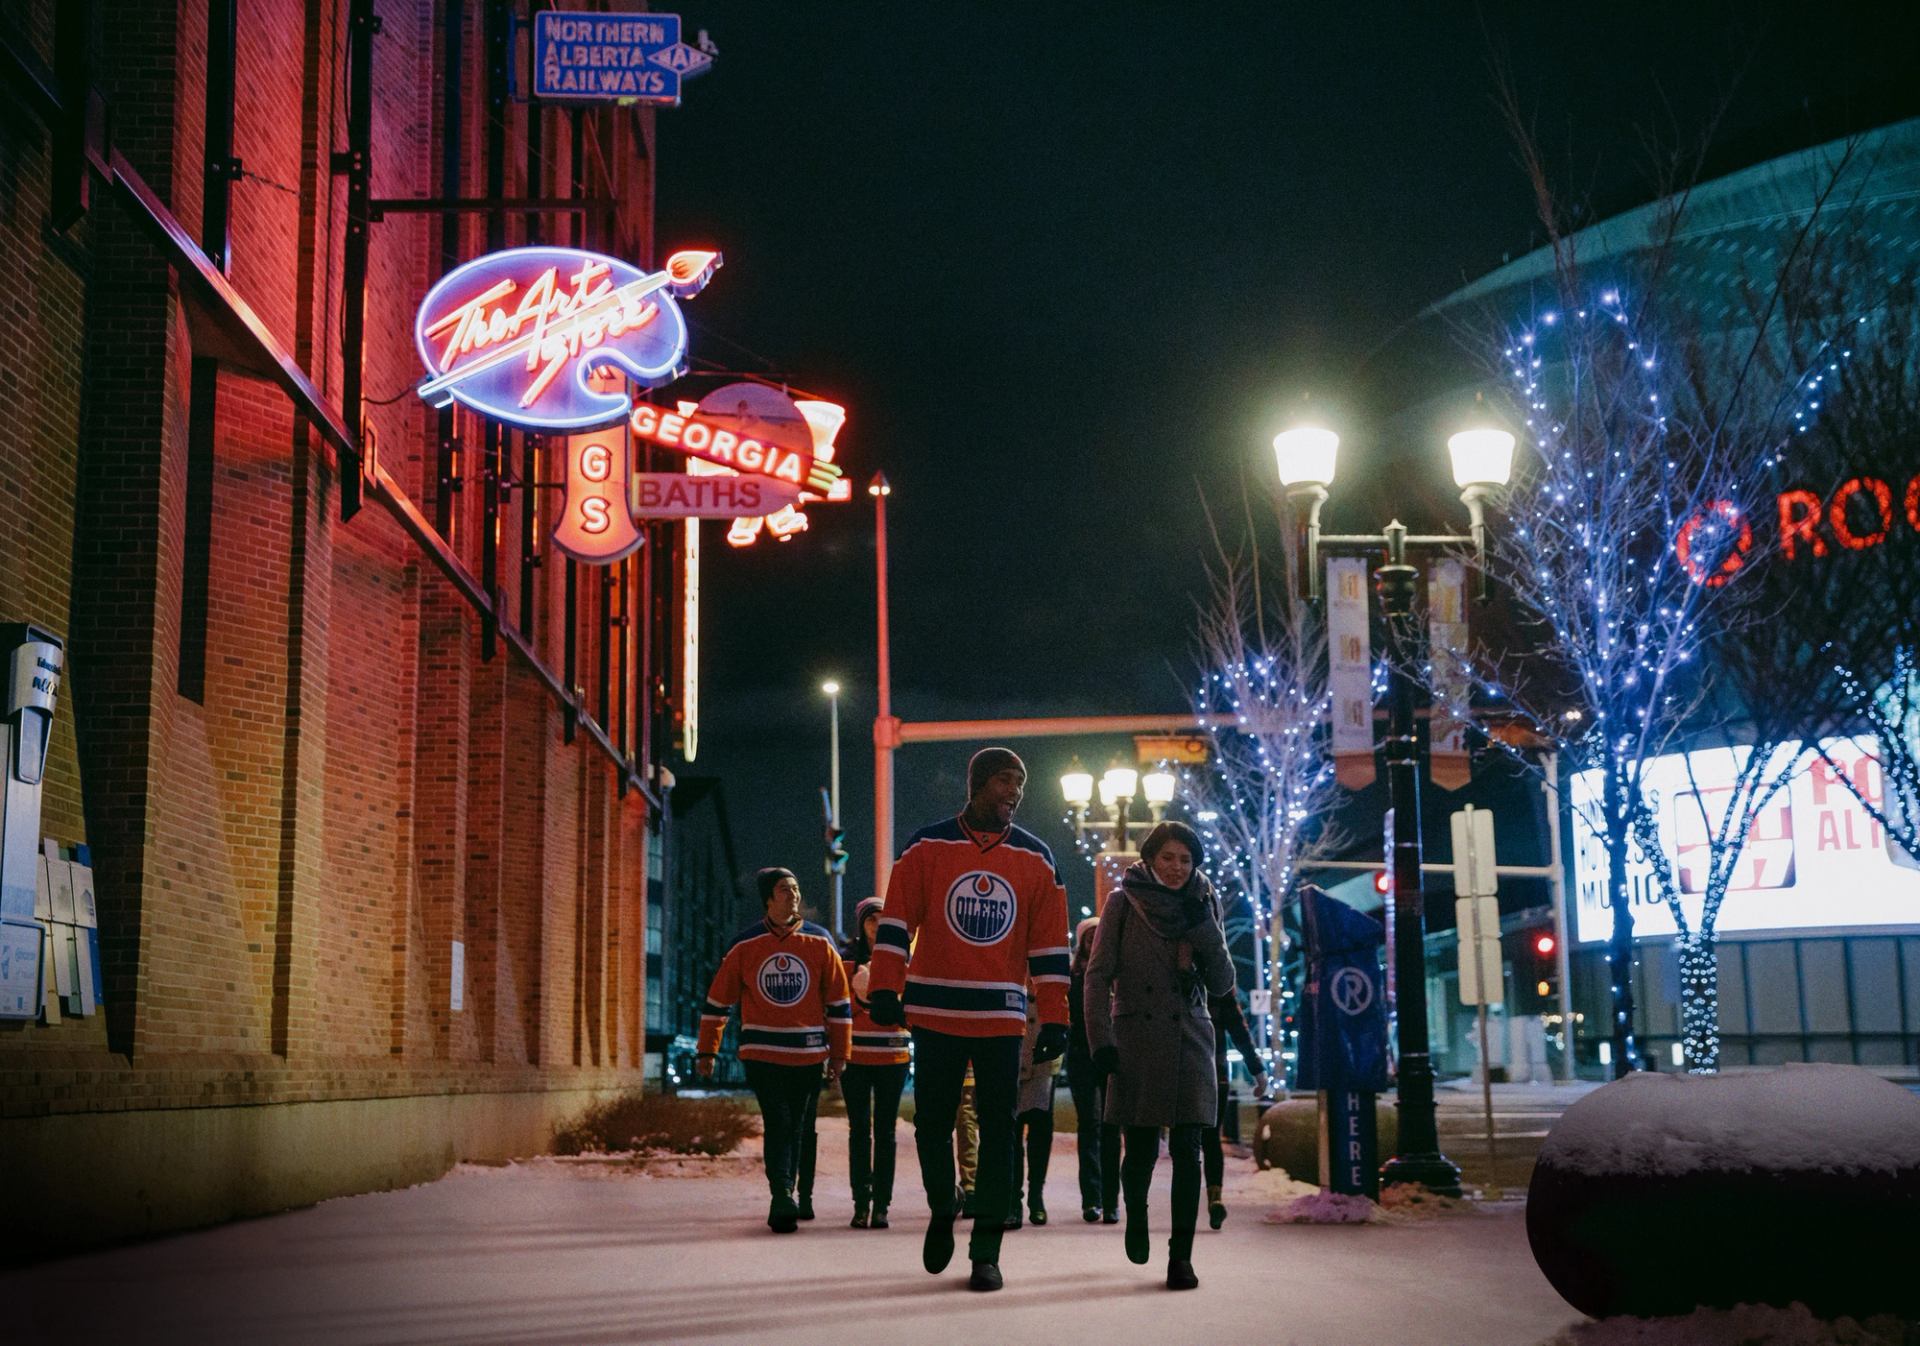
(1700, 1003)
(1626, 1052)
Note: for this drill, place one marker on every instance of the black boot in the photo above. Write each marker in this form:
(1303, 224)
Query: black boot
(986, 1276)
(860, 1217)
(805, 1205)
(936, 1250)
(1180, 1261)
(783, 1217)
(1216, 1208)
(879, 1218)
(1138, 1246)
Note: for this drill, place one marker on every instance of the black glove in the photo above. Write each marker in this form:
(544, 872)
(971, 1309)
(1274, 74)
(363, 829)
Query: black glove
(1051, 1044)
(886, 1009)
(1106, 1060)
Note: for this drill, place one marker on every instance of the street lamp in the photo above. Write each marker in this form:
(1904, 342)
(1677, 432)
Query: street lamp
(1482, 460)
(1117, 789)
(1159, 785)
(836, 852)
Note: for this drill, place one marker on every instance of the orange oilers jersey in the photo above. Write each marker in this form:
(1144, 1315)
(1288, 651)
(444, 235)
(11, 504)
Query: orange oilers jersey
(982, 914)
(872, 1044)
(792, 991)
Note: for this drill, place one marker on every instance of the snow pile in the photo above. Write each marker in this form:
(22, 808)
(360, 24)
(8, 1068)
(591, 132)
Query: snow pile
(1744, 1325)
(1798, 1118)
(1327, 1208)
(1270, 1184)
(1409, 1200)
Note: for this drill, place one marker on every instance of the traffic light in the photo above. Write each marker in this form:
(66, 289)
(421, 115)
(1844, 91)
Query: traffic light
(836, 849)
(1536, 972)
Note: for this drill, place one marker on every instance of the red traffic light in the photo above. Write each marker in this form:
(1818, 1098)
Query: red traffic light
(1544, 944)
(1381, 881)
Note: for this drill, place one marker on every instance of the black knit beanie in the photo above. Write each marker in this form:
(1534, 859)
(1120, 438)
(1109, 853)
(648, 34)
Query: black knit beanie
(990, 762)
(769, 879)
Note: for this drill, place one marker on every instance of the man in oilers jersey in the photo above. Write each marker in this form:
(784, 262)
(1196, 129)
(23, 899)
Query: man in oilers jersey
(795, 1012)
(980, 905)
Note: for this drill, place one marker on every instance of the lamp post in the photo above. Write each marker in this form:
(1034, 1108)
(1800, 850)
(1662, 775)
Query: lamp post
(1482, 460)
(1117, 789)
(836, 864)
(886, 729)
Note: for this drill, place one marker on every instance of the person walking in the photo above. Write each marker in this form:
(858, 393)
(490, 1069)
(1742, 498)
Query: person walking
(975, 911)
(876, 1074)
(1032, 1126)
(1160, 951)
(1098, 1142)
(796, 1013)
(1229, 1024)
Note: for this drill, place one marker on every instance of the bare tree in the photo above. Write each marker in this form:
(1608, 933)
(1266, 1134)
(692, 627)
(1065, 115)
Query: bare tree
(1265, 796)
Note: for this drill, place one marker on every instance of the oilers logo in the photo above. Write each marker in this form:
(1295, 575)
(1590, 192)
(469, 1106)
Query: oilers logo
(783, 979)
(980, 907)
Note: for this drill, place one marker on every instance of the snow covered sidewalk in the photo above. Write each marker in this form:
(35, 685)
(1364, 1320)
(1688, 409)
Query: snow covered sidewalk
(549, 1251)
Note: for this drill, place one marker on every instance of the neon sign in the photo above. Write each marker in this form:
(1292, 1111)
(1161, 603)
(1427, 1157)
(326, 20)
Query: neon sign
(595, 525)
(1862, 514)
(744, 441)
(515, 335)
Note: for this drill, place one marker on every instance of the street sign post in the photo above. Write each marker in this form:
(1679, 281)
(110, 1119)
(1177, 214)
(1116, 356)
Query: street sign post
(1476, 912)
(626, 58)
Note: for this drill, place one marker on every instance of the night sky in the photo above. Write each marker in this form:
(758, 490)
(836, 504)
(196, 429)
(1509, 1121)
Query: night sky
(1070, 266)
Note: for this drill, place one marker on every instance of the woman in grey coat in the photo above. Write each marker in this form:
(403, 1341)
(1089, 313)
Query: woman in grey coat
(1159, 953)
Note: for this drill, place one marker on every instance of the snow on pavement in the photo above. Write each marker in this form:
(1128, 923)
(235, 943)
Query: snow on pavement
(555, 1252)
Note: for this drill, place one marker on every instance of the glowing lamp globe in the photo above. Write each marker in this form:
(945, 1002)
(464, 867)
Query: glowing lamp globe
(1076, 786)
(1123, 780)
(1481, 458)
(1305, 455)
(1107, 795)
(830, 687)
(1159, 786)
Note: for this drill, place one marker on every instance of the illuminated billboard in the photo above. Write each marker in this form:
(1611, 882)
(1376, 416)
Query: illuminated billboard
(1814, 860)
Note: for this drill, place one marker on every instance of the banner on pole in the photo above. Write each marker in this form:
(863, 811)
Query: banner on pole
(1447, 649)
(1350, 671)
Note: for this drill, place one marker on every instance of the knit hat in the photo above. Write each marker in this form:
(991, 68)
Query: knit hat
(769, 879)
(866, 906)
(990, 762)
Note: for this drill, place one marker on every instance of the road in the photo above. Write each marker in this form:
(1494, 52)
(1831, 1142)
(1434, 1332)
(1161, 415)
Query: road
(549, 1251)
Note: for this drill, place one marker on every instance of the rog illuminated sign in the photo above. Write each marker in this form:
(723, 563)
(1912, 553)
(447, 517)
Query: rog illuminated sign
(515, 335)
(1715, 542)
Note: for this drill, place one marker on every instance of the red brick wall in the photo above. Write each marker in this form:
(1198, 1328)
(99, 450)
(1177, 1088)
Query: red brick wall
(284, 864)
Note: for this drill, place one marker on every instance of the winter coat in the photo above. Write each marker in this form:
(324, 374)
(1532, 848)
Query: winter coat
(1080, 1068)
(1138, 1001)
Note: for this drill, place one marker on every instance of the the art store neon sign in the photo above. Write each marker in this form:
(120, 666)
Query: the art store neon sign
(516, 335)
(1716, 542)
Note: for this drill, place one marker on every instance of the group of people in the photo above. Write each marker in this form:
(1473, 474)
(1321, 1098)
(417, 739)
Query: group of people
(965, 976)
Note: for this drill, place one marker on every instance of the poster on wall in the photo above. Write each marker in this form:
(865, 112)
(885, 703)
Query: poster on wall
(1815, 859)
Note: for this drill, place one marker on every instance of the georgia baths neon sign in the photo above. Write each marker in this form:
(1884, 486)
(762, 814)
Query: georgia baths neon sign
(516, 335)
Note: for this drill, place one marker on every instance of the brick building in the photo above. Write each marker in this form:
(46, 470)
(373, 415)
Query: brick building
(368, 801)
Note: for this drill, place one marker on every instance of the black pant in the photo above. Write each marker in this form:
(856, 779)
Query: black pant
(787, 1097)
(939, 1070)
(1136, 1174)
(1033, 1143)
(873, 1106)
(1099, 1143)
(1210, 1152)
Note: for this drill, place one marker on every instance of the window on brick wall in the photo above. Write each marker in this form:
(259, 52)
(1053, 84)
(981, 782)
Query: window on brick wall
(656, 926)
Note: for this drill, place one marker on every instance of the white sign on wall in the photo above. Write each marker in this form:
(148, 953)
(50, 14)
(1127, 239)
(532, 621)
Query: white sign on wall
(1815, 858)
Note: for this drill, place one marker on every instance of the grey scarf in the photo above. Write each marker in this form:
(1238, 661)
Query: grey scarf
(1166, 910)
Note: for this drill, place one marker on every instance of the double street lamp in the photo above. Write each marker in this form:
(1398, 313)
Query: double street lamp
(1482, 461)
(1117, 790)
